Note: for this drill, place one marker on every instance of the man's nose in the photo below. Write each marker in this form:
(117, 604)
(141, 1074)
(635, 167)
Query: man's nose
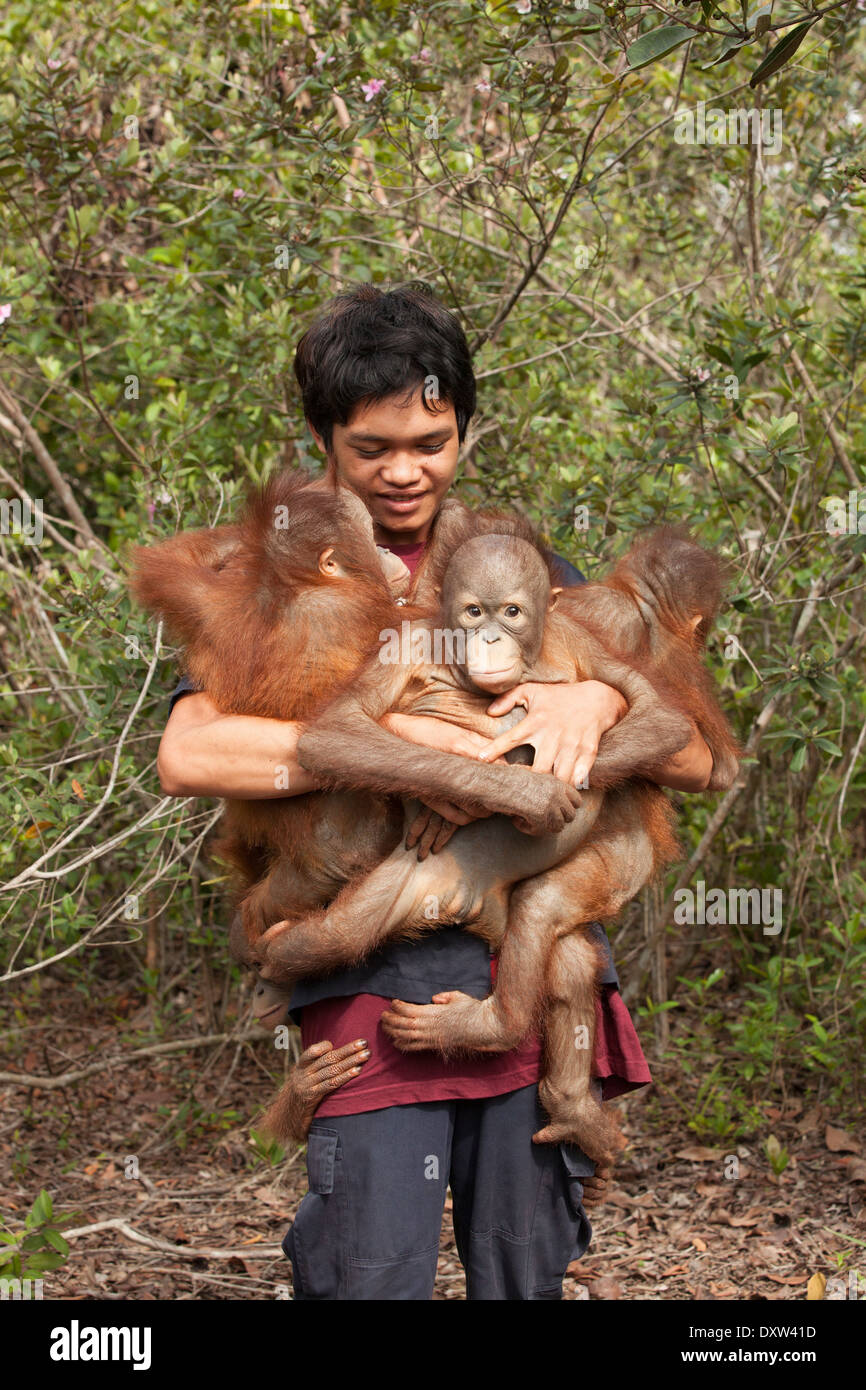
(401, 470)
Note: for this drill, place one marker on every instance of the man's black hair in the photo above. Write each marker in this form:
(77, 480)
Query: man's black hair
(372, 343)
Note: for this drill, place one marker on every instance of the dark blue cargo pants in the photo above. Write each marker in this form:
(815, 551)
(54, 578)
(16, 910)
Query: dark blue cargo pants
(369, 1226)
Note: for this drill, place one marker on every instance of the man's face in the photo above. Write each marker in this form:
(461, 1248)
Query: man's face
(400, 460)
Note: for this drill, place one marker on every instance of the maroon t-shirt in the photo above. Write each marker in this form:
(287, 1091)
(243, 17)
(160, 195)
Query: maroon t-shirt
(391, 1077)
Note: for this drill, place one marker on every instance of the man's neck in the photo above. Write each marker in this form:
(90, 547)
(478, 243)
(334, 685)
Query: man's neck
(391, 539)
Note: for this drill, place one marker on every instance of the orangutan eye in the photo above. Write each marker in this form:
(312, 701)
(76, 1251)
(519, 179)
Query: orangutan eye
(512, 611)
(472, 610)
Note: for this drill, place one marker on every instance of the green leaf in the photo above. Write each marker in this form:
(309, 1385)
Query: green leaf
(785, 424)
(779, 55)
(727, 50)
(649, 47)
(52, 367)
(42, 1207)
(759, 20)
(38, 1264)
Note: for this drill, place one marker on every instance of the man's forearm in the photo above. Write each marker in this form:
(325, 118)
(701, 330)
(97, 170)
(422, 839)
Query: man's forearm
(689, 770)
(206, 753)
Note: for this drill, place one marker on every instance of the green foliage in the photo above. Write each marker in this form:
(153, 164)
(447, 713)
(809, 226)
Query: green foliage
(39, 1247)
(663, 330)
(266, 1149)
(190, 1120)
(777, 1155)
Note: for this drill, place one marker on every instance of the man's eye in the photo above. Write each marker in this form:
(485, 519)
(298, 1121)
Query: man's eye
(512, 611)
(473, 611)
(371, 454)
(432, 448)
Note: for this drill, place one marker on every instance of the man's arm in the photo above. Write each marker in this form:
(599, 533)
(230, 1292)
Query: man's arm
(689, 770)
(206, 753)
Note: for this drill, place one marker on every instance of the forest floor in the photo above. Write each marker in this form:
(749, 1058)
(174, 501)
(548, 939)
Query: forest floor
(685, 1219)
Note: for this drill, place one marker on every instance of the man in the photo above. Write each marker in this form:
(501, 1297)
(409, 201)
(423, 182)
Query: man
(388, 392)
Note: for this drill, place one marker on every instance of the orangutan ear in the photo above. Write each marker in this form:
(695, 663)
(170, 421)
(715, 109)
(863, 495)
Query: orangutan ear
(329, 564)
(551, 602)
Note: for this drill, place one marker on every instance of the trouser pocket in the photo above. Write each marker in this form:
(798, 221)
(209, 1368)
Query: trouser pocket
(577, 1167)
(316, 1241)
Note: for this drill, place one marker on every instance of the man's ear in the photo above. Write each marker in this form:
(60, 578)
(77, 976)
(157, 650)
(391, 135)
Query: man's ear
(318, 438)
(552, 601)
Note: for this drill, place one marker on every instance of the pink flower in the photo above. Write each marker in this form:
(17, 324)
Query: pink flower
(55, 63)
(372, 88)
(482, 87)
(523, 6)
(425, 55)
(237, 194)
(151, 508)
(702, 374)
(5, 312)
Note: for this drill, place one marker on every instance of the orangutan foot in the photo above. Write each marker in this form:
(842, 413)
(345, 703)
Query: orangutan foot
(581, 1120)
(453, 1023)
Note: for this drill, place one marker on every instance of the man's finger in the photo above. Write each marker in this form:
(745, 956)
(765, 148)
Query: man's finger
(564, 766)
(512, 738)
(503, 703)
(545, 752)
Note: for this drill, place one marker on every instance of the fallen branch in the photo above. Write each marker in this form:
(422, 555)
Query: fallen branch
(68, 1078)
(199, 1252)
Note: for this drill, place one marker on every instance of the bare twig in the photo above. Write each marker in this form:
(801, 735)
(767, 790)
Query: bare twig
(52, 473)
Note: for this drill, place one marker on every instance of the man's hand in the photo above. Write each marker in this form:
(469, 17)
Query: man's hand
(564, 724)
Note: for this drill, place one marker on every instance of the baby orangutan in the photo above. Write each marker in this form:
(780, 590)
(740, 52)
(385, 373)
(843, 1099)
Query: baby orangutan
(501, 624)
